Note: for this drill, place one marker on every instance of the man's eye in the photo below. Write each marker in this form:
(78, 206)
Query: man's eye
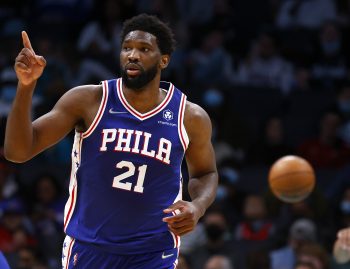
(145, 49)
(126, 48)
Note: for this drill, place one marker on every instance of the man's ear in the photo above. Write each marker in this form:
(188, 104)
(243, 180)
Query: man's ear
(164, 61)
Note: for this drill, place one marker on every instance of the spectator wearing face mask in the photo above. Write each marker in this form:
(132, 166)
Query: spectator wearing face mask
(330, 65)
(254, 231)
(256, 225)
(218, 240)
(342, 105)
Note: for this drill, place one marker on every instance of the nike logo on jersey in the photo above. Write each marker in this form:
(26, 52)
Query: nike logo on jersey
(166, 256)
(116, 112)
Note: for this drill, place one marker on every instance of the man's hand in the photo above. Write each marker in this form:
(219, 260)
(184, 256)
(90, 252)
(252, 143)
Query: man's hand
(28, 65)
(344, 239)
(185, 218)
(341, 249)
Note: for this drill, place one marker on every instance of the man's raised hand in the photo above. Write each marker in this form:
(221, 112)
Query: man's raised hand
(28, 65)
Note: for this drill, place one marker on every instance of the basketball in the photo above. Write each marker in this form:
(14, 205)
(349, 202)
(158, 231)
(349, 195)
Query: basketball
(291, 179)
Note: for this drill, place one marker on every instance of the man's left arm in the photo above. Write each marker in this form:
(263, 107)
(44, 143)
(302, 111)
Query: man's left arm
(203, 176)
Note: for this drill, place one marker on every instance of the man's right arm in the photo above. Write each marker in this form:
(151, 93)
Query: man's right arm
(24, 138)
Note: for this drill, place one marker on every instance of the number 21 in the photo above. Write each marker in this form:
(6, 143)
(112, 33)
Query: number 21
(130, 172)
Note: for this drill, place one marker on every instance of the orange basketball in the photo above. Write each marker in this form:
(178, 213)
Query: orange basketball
(291, 179)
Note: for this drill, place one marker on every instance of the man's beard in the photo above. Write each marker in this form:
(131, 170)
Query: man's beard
(141, 80)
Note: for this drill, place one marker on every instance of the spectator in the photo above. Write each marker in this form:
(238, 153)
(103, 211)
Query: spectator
(47, 216)
(253, 232)
(342, 105)
(183, 262)
(271, 145)
(304, 265)
(264, 67)
(314, 254)
(255, 225)
(98, 41)
(330, 64)
(16, 231)
(218, 242)
(301, 232)
(305, 14)
(258, 260)
(30, 258)
(211, 64)
(343, 208)
(327, 150)
(218, 262)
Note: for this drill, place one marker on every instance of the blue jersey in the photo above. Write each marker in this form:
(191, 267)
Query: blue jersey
(126, 168)
(3, 262)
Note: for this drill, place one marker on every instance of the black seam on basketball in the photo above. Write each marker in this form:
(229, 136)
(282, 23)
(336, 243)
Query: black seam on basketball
(297, 188)
(300, 189)
(292, 173)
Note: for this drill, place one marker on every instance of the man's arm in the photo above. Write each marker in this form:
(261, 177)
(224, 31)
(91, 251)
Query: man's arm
(341, 249)
(24, 138)
(203, 175)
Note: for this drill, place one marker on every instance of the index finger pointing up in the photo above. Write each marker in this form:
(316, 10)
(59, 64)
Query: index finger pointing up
(26, 41)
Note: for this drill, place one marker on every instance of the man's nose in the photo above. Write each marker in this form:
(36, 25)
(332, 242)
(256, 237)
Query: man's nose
(133, 55)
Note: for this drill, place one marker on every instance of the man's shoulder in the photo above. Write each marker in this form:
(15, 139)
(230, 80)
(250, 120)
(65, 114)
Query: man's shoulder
(86, 91)
(87, 88)
(196, 120)
(195, 111)
(82, 96)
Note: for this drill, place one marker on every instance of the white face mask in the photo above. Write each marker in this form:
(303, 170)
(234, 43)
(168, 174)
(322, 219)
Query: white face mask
(345, 207)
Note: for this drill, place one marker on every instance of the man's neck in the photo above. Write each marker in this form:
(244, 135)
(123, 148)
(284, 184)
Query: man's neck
(146, 98)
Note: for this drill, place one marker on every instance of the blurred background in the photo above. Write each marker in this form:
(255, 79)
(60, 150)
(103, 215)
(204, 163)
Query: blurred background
(272, 74)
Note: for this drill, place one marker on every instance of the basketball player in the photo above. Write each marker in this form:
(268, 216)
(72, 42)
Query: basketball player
(3, 262)
(341, 249)
(131, 134)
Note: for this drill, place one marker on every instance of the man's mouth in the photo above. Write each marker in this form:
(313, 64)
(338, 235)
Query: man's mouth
(133, 69)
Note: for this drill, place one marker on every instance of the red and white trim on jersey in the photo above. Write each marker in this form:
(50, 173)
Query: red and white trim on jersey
(67, 251)
(133, 111)
(177, 259)
(100, 111)
(176, 238)
(75, 155)
(181, 126)
(73, 188)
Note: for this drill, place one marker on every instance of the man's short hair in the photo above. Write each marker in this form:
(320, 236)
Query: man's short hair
(153, 25)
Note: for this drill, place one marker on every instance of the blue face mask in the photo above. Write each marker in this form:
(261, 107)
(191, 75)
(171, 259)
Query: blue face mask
(344, 106)
(345, 207)
(213, 98)
(8, 93)
(221, 193)
(331, 47)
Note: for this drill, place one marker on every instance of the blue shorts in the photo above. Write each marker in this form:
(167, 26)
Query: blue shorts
(78, 255)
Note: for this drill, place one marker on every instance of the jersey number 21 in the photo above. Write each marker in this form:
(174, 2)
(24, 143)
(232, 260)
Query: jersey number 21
(129, 173)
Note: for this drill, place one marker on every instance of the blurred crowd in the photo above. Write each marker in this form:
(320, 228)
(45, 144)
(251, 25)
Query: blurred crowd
(274, 76)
